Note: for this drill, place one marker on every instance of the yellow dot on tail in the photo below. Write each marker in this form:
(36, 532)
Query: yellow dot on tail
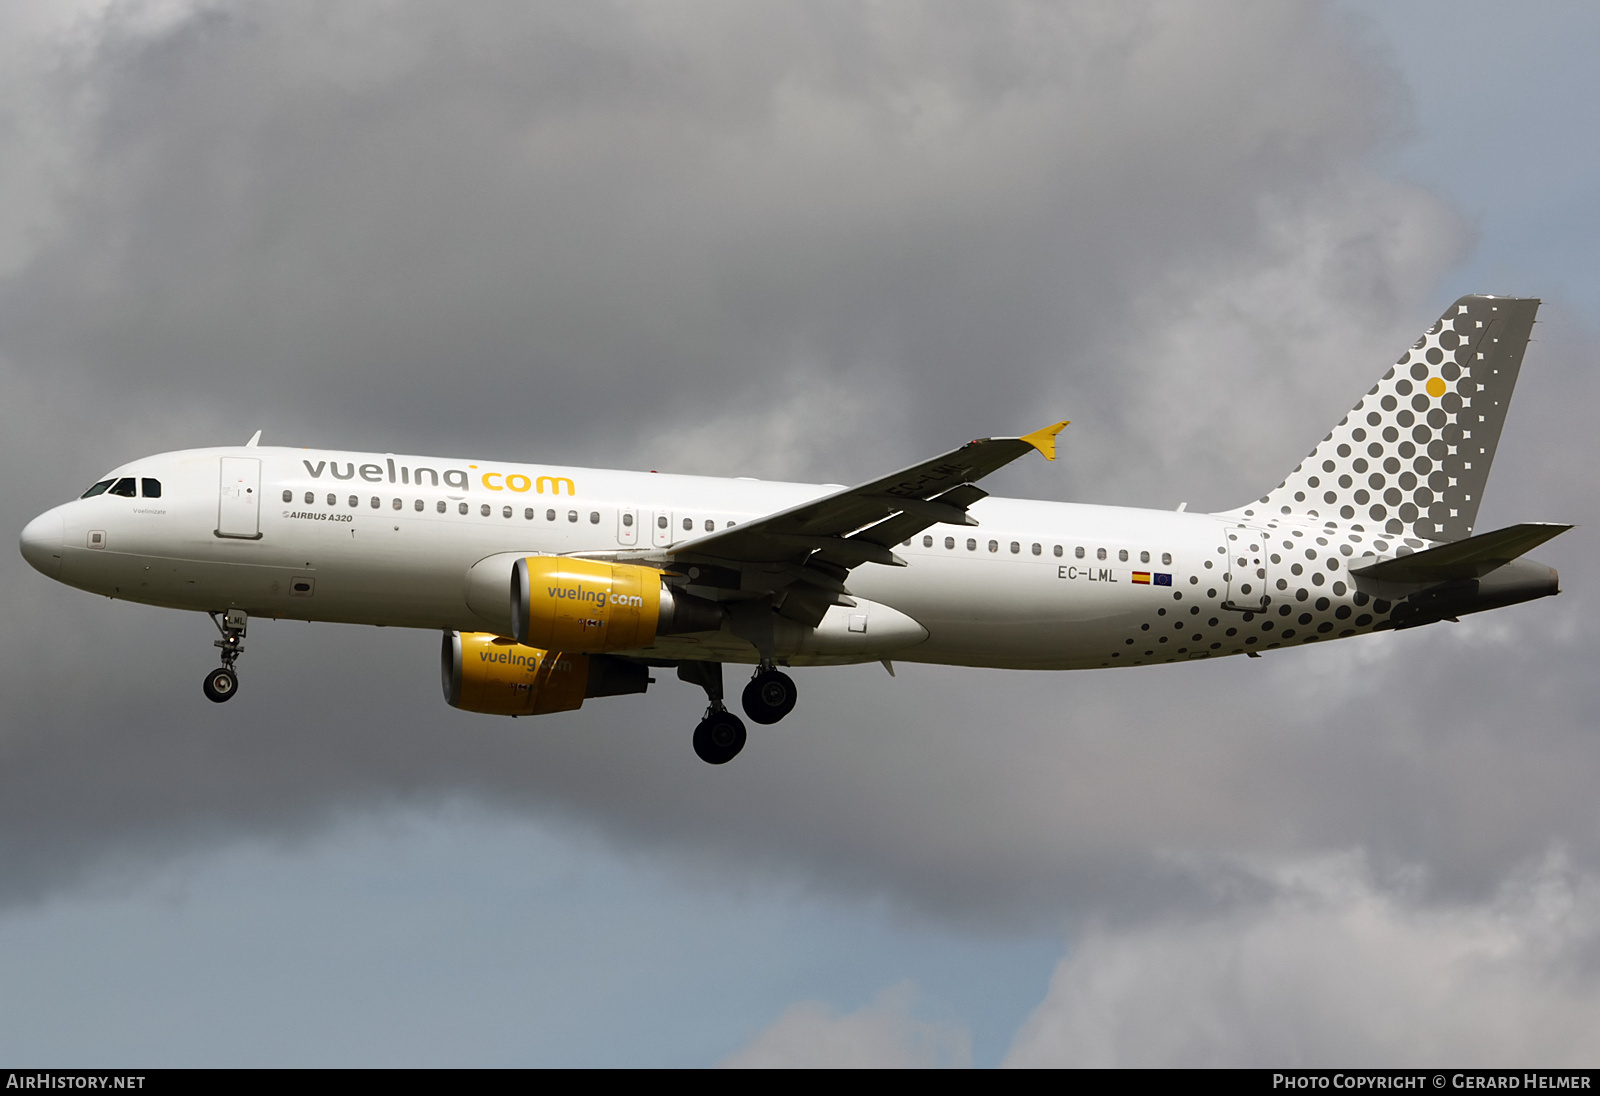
(1435, 387)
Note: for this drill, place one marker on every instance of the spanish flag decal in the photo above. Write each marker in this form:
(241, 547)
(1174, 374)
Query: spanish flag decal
(1142, 577)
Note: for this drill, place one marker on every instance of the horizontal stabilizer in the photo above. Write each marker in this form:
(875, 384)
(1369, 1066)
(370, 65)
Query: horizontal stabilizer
(1463, 559)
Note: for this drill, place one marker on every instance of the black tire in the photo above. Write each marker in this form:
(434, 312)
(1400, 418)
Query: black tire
(769, 696)
(719, 738)
(220, 684)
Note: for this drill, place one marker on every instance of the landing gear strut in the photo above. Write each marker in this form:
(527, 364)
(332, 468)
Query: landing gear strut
(770, 695)
(720, 735)
(220, 684)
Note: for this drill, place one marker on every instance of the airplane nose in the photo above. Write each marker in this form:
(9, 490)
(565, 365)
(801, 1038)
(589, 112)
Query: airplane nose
(41, 542)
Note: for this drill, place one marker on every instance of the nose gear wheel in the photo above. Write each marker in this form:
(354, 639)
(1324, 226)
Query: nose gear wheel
(220, 684)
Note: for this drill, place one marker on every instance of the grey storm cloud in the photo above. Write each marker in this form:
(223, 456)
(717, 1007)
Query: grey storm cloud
(566, 224)
(805, 240)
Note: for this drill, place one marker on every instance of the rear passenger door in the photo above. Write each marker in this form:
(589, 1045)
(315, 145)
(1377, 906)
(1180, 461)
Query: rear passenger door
(1247, 569)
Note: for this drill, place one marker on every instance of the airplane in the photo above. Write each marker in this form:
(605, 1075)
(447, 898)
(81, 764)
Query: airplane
(552, 585)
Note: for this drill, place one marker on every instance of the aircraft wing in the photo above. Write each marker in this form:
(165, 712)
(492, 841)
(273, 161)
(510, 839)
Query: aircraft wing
(858, 524)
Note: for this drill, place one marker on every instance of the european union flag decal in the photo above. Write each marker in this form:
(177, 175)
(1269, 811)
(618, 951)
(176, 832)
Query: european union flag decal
(1161, 580)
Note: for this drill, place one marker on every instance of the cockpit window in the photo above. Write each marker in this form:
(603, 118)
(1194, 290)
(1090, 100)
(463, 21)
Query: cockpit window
(125, 488)
(150, 488)
(97, 489)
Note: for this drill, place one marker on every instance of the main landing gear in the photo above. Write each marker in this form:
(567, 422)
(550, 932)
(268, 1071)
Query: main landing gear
(220, 684)
(770, 695)
(720, 736)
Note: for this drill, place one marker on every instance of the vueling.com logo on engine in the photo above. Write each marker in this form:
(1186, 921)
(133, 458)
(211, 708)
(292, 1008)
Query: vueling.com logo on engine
(594, 597)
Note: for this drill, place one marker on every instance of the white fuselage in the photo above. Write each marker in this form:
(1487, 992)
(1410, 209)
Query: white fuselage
(390, 540)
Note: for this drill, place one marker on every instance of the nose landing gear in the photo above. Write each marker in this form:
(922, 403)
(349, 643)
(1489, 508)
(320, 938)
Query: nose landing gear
(220, 684)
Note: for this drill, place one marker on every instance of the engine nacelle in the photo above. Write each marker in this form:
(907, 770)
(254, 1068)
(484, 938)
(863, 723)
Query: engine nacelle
(487, 673)
(584, 605)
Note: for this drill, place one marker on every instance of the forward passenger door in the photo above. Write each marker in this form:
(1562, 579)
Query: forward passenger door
(239, 499)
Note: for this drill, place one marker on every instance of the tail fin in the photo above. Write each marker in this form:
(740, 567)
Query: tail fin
(1412, 457)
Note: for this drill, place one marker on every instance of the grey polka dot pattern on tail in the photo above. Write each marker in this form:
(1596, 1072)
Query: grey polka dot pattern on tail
(1411, 459)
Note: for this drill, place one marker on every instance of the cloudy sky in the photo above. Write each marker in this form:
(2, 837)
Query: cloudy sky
(806, 240)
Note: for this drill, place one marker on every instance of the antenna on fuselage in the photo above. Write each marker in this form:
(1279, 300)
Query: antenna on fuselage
(255, 439)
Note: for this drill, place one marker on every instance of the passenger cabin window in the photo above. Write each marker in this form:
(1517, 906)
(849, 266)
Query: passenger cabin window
(572, 515)
(1078, 551)
(688, 524)
(97, 489)
(288, 496)
(124, 487)
(927, 542)
(1166, 559)
(627, 521)
(1144, 557)
(594, 517)
(1100, 554)
(1123, 555)
(483, 511)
